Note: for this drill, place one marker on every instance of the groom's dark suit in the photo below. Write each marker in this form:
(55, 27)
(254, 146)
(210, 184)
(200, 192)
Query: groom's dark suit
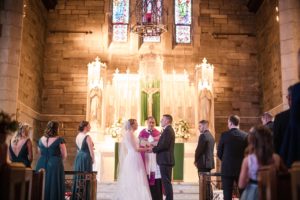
(165, 158)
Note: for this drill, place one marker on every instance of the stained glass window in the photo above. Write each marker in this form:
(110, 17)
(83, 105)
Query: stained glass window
(183, 34)
(120, 19)
(183, 21)
(120, 33)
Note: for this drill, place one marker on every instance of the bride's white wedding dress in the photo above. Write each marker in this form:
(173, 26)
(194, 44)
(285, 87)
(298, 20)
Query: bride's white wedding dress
(132, 179)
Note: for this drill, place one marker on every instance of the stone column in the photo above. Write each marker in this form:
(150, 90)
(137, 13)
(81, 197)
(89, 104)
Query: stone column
(11, 16)
(289, 22)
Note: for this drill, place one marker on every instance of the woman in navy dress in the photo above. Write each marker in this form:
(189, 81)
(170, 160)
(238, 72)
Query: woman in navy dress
(84, 160)
(20, 147)
(53, 151)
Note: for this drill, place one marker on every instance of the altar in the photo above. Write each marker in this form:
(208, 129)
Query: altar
(149, 91)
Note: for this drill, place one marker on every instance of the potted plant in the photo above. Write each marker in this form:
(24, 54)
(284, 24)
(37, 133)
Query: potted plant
(182, 129)
(115, 129)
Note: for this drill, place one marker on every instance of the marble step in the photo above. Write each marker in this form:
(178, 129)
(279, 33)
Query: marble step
(182, 191)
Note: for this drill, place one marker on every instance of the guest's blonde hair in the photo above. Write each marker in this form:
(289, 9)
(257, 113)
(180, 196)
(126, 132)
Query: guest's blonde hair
(23, 127)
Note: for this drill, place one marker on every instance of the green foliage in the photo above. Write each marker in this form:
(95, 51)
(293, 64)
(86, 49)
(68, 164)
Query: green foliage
(182, 129)
(7, 125)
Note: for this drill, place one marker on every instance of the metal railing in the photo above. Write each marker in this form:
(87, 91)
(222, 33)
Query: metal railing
(80, 185)
(210, 186)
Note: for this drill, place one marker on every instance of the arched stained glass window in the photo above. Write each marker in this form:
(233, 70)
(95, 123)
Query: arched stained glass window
(183, 21)
(120, 20)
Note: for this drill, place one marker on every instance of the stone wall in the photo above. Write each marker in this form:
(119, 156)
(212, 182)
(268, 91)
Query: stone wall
(66, 57)
(228, 41)
(32, 64)
(11, 20)
(269, 55)
(289, 21)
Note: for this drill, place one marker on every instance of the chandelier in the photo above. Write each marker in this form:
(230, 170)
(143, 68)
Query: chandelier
(149, 16)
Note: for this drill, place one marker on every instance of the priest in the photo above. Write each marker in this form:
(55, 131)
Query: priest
(149, 137)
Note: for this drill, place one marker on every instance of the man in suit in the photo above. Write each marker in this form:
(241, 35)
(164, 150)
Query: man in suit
(267, 121)
(204, 154)
(281, 123)
(165, 154)
(231, 149)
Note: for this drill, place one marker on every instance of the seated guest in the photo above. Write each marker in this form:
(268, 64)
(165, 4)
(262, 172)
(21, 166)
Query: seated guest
(52, 150)
(20, 147)
(290, 148)
(267, 121)
(281, 123)
(259, 153)
(85, 157)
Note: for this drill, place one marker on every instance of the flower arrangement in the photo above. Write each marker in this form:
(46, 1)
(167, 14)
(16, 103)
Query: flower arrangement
(7, 125)
(115, 129)
(182, 129)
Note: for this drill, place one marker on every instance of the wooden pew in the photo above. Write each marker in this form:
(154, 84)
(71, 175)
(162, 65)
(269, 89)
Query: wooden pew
(16, 182)
(267, 186)
(295, 183)
(38, 185)
(273, 185)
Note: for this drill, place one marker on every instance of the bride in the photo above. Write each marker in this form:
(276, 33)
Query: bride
(132, 181)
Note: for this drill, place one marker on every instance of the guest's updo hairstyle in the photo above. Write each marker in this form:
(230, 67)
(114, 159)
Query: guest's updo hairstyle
(51, 129)
(129, 123)
(82, 125)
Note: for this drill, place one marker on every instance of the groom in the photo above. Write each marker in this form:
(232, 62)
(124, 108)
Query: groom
(165, 154)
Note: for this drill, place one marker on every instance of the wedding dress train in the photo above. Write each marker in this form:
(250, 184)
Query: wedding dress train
(132, 181)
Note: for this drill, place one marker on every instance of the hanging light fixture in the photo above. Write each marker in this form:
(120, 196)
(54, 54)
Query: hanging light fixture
(149, 16)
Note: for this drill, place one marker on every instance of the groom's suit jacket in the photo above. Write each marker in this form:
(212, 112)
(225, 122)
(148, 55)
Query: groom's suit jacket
(165, 147)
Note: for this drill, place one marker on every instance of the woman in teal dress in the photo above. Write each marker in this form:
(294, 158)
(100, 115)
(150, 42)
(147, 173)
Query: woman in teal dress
(83, 161)
(20, 147)
(53, 151)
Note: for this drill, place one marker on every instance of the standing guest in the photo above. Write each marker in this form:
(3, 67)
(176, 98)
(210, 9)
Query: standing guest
(151, 135)
(20, 148)
(84, 159)
(290, 148)
(52, 150)
(267, 121)
(231, 149)
(260, 152)
(165, 154)
(204, 154)
(281, 123)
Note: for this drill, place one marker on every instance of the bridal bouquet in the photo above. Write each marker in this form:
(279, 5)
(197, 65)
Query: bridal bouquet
(7, 125)
(115, 129)
(182, 129)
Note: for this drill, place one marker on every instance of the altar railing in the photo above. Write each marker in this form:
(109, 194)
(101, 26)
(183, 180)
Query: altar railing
(210, 186)
(79, 183)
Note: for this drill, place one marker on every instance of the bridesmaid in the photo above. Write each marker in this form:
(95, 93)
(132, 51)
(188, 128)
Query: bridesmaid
(53, 151)
(84, 159)
(20, 147)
